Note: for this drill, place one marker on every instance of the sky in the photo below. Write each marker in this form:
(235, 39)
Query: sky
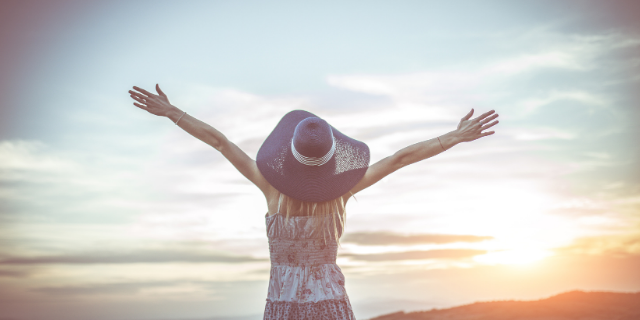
(108, 212)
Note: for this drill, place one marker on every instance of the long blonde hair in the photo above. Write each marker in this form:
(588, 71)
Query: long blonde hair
(324, 212)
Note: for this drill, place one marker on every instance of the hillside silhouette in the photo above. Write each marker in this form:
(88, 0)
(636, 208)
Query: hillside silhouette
(574, 305)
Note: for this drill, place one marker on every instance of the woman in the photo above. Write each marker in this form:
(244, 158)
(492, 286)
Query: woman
(307, 171)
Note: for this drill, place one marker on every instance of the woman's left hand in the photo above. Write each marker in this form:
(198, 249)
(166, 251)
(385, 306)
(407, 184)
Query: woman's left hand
(154, 104)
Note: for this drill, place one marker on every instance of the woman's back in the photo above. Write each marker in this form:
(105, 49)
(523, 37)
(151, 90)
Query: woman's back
(305, 281)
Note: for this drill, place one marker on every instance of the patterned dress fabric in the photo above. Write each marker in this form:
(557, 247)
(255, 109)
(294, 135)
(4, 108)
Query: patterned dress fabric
(305, 282)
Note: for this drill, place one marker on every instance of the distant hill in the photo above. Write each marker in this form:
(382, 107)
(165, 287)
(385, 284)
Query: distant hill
(574, 305)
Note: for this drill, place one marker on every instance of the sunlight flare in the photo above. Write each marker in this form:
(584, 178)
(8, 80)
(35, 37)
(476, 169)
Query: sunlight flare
(513, 257)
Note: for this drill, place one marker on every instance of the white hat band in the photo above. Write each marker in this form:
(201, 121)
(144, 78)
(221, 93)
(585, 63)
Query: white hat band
(313, 161)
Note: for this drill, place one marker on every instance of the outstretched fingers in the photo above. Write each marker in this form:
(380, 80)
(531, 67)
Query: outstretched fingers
(468, 116)
(484, 134)
(489, 125)
(488, 119)
(137, 98)
(140, 106)
(484, 115)
(143, 91)
(138, 95)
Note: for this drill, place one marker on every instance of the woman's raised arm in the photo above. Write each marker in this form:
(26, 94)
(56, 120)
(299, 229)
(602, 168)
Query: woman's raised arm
(468, 130)
(159, 105)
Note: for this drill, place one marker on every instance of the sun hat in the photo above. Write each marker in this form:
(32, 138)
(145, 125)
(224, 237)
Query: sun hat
(307, 159)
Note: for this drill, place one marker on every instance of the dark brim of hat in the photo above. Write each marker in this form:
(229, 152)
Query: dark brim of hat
(311, 183)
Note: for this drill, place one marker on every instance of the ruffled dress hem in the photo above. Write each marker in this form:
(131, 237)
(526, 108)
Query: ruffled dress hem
(322, 310)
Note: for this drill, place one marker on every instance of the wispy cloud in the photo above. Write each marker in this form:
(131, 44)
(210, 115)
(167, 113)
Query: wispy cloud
(615, 246)
(29, 156)
(390, 238)
(417, 255)
(14, 273)
(106, 288)
(149, 256)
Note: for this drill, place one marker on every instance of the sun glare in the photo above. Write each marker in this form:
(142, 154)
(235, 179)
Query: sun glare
(513, 257)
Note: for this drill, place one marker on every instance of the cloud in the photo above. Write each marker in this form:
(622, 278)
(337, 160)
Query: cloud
(23, 155)
(104, 288)
(13, 273)
(609, 245)
(581, 97)
(545, 58)
(150, 256)
(417, 255)
(133, 287)
(552, 59)
(389, 238)
(435, 86)
(540, 133)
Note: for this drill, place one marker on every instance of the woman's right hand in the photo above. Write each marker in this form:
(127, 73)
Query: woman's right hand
(155, 104)
(469, 130)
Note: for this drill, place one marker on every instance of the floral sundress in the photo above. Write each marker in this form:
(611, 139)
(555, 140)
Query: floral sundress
(305, 281)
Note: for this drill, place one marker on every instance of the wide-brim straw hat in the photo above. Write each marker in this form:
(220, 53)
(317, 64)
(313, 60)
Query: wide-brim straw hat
(307, 159)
